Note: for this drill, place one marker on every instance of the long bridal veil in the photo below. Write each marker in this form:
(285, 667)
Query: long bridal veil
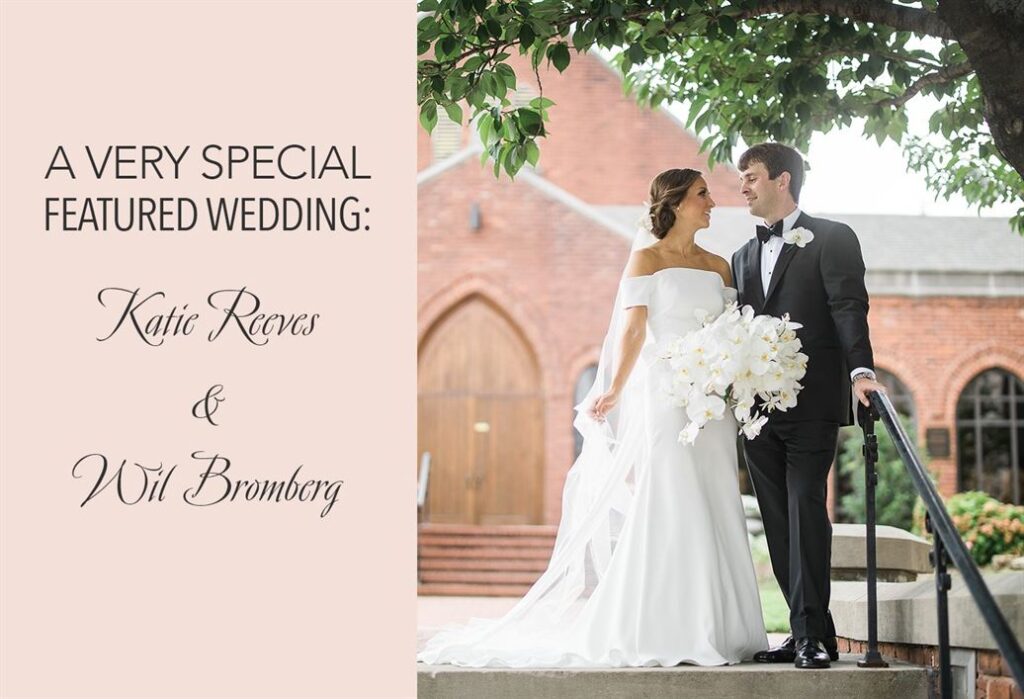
(598, 493)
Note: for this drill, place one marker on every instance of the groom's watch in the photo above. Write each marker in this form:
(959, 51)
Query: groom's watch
(866, 374)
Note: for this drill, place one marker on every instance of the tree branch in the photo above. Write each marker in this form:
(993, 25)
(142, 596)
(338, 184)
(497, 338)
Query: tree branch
(911, 19)
(937, 78)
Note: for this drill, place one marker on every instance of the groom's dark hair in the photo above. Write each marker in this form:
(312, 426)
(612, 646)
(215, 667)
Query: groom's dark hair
(777, 159)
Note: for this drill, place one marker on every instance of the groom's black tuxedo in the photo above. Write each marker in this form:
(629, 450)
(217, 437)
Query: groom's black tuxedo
(821, 286)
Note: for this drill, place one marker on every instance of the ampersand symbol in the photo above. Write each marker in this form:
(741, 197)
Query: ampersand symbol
(207, 406)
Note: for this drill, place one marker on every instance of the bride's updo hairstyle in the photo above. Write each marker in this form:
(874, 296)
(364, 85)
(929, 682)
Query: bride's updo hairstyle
(667, 190)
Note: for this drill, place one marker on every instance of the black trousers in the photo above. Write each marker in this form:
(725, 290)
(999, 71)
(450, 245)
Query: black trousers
(789, 464)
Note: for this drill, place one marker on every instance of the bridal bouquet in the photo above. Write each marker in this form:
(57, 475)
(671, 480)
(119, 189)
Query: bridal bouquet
(733, 359)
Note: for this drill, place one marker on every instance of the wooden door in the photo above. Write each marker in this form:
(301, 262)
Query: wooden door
(481, 418)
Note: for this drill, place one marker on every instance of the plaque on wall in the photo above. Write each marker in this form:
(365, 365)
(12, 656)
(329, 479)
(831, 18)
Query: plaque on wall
(937, 441)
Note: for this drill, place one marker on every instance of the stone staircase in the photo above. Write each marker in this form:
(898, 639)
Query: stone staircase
(844, 680)
(482, 561)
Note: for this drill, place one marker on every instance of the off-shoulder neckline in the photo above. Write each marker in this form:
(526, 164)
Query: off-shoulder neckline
(692, 269)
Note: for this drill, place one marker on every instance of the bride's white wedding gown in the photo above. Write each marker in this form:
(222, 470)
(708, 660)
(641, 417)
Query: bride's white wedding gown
(679, 583)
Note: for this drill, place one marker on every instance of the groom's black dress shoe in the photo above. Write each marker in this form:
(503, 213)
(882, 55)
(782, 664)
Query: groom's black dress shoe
(786, 653)
(810, 655)
(832, 648)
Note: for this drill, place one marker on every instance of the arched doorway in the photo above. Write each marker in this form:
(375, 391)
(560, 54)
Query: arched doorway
(990, 429)
(481, 418)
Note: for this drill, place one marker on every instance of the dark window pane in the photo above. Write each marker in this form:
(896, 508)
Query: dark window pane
(1020, 463)
(995, 409)
(992, 383)
(965, 439)
(996, 473)
(965, 409)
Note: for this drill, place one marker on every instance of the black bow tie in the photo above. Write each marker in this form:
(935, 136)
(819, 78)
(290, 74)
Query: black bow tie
(764, 233)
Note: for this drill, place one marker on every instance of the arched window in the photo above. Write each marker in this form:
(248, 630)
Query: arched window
(989, 430)
(583, 384)
(898, 393)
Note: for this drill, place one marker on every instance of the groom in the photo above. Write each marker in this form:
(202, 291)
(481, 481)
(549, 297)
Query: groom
(819, 280)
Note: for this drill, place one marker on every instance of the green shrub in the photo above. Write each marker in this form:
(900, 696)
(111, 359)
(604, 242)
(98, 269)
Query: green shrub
(894, 495)
(987, 526)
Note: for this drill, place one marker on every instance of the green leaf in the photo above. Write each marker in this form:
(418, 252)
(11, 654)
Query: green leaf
(428, 115)
(447, 47)
(558, 54)
(637, 54)
(532, 152)
(508, 75)
(653, 26)
(485, 127)
(454, 112)
(526, 35)
(509, 130)
(531, 122)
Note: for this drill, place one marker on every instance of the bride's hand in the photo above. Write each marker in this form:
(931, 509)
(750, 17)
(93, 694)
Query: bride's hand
(603, 405)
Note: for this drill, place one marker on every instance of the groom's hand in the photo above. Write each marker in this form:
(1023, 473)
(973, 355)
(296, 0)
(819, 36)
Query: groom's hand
(863, 386)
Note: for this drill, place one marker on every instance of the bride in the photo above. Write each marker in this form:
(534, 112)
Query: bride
(651, 565)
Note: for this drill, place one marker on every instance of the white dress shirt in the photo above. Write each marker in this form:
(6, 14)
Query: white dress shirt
(771, 250)
(770, 253)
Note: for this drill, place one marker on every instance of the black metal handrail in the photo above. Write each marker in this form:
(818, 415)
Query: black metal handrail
(948, 546)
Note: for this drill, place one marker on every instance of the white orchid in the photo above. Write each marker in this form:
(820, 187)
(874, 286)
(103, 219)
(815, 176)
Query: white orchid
(689, 433)
(735, 361)
(752, 428)
(798, 236)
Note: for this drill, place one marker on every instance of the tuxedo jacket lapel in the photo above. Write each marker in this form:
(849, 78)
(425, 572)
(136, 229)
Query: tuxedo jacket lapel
(752, 273)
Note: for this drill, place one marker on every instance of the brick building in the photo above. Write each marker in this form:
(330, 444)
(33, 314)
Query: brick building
(517, 278)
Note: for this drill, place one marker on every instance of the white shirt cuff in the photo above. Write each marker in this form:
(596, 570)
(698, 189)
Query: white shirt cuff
(863, 370)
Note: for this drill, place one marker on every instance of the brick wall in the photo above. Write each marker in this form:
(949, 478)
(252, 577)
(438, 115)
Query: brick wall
(936, 345)
(992, 675)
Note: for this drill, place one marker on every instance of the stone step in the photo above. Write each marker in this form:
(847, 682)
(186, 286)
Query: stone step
(844, 680)
(486, 561)
(459, 540)
(471, 590)
(541, 554)
(536, 566)
(489, 529)
(477, 576)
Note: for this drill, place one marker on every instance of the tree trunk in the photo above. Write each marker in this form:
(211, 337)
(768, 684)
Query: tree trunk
(991, 33)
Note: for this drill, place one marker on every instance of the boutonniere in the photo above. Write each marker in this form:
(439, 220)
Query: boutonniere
(798, 237)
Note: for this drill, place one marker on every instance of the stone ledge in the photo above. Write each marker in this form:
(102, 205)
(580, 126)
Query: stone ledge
(901, 556)
(907, 613)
